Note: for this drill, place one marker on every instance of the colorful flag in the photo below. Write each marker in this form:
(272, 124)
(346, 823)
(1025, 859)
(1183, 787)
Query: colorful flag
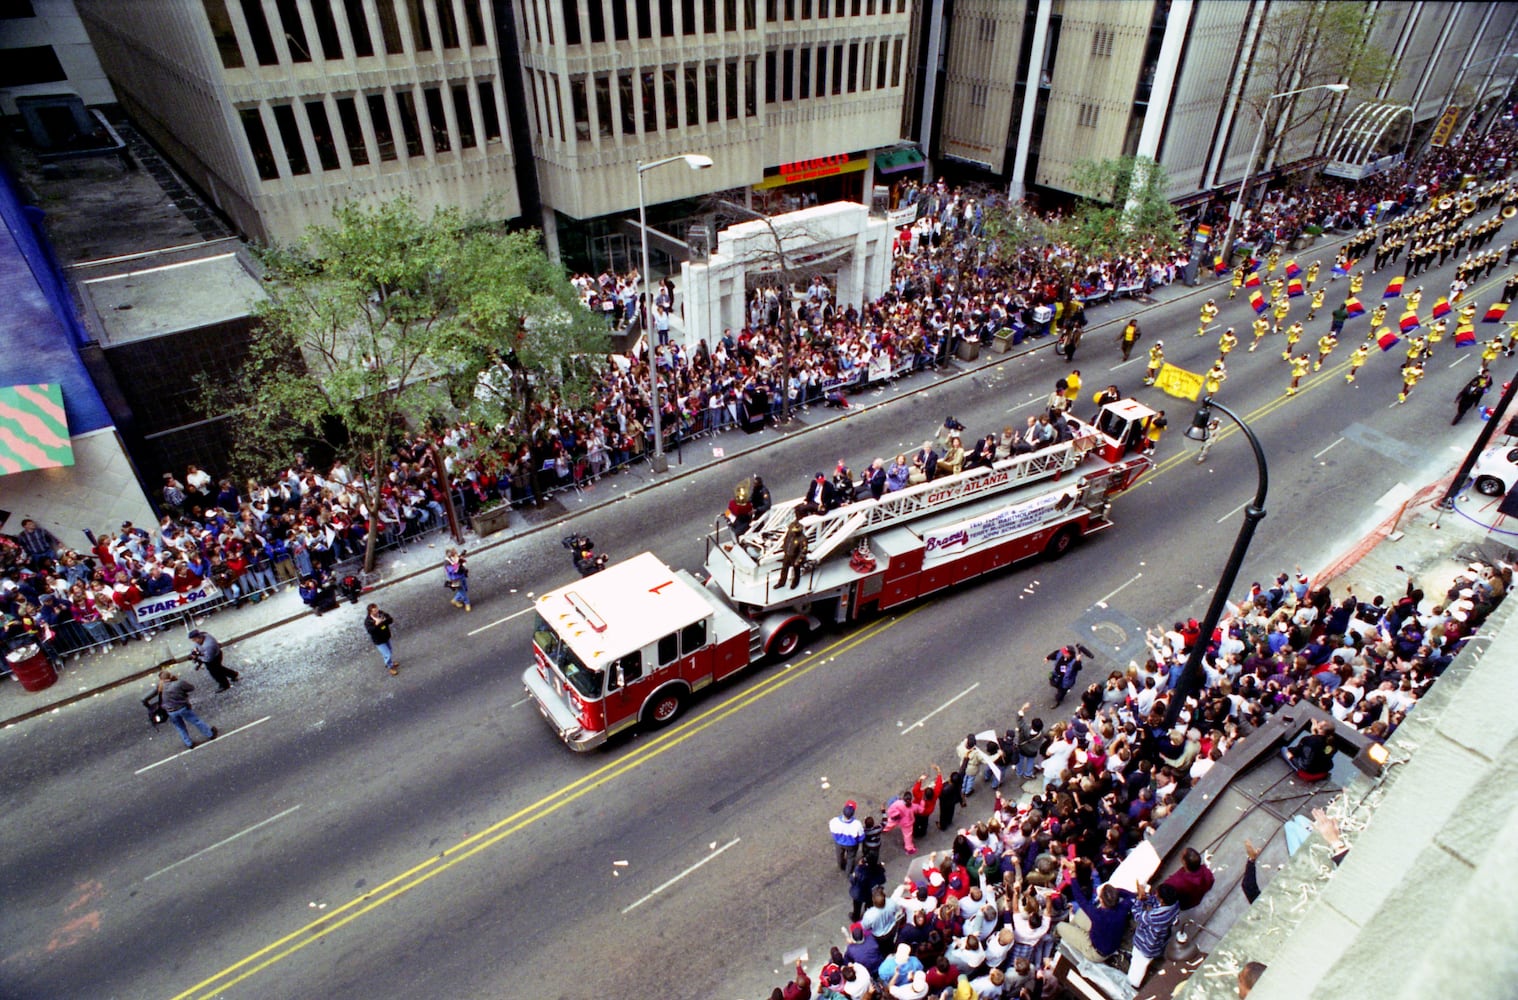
(1393, 288)
(1342, 270)
(1495, 313)
(1219, 266)
(1294, 288)
(1441, 307)
(1292, 270)
(1387, 340)
(1353, 307)
(1253, 263)
(1465, 335)
(1253, 281)
(1408, 322)
(1257, 301)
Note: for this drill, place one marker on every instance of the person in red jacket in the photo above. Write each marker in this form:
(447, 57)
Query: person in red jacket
(1192, 881)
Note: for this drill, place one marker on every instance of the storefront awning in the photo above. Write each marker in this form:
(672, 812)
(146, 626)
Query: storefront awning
(34, 433)
(1372, 139)
(897, 160)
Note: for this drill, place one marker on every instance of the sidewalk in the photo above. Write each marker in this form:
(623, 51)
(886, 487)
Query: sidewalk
(85, 675)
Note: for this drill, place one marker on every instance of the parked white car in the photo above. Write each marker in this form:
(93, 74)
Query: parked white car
(1496, 471)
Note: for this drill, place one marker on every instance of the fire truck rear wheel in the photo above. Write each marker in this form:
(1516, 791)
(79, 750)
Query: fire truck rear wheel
(787, 641)
(664, 708)
(1063, 539)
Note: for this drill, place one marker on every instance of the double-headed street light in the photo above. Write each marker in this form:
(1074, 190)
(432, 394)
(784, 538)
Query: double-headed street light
(1191, 674)
(694, 161)
(1238, 202)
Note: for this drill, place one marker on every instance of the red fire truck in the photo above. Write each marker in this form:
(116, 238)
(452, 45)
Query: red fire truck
(630, 645)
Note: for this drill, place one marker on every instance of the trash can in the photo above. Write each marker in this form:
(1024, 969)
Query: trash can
(30, 666)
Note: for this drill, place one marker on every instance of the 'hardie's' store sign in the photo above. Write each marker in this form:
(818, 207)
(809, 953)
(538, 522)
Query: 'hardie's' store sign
(813, 169)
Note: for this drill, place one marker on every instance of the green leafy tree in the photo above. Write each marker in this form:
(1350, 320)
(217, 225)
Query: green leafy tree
(384, 321)
(1123, 206)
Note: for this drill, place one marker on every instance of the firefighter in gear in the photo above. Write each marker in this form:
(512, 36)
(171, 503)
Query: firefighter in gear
(1261, 328)
(1293, 334)
(1235, 282)
(1378, 316)
(793, 553)
(1299, 367)
(1356, 359)
(1226, 343)
(1326, 344)
(1411, 373)
(1209, 313)
(1215, 377)
(1312, 272)
(1318, 295)
(1281, 308)
(1156, 361)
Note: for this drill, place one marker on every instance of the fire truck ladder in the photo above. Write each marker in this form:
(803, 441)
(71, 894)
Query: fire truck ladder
(825, 533)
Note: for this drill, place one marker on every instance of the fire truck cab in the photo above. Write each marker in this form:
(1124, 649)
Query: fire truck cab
(629, 644)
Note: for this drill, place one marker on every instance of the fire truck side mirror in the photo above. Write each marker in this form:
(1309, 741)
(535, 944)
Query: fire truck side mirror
(616, 678)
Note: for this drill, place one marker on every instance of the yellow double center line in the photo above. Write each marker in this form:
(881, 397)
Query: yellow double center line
(527, 816)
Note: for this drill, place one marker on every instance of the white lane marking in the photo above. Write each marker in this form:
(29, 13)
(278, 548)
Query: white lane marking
(1459, 359)
(519, 704)
(1325, 450)
(666, 885)
(200, 745)
(1125, 364)
(222, 843)
(1233, 512)
(1119, 590)
(940, 708)
(1031, 402)
(500, 621)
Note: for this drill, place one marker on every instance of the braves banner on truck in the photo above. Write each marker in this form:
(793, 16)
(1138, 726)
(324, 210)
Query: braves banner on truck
(957, 539)
(153, 609)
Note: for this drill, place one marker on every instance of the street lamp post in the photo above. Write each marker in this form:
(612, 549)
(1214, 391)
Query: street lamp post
(1191, 674)
(696, 162)
(1237, 209)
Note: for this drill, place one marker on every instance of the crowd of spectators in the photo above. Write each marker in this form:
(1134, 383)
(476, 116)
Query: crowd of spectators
(981, 918)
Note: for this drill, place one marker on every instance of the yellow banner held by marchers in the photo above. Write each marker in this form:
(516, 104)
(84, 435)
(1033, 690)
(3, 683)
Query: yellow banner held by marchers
(1178, 382)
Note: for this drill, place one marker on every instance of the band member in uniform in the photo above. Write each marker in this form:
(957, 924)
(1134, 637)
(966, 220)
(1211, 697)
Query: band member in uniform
(1293, 334)
(1326, 344)
(1226, 343)
(1156, 361)
(1356, 359)
(1299, 367)
(1411, 373)
(1318, 295)
(1209, 313)
(1261, 328)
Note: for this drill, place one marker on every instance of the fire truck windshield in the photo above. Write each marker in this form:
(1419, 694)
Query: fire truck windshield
(586, 680)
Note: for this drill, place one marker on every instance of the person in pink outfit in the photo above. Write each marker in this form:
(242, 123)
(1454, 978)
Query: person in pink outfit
(898, 813)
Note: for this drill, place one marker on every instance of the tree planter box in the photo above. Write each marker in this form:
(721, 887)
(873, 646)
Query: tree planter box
(488, 522)
(968, 350)
(1002, 342)
(1303, 242)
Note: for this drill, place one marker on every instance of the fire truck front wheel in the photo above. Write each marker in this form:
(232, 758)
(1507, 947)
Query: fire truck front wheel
(1063, 539)
(664, 707)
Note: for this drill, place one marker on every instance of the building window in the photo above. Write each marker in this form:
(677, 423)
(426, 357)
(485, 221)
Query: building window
(258, 144)
(806, 10)
(730, 15)
(466, 120)
(987, 32)
(645, 13)
(596, 15)
(853, 73)
(667, 18)
(475, 21)
(750, 14)
(581, 105)
(750, 86)
(788, 75)
(869, 62)
(326, 29)
(709, 16)
(692, 97)
(294, 29)
(321, 133)
(713, 105)
(619, 20)
(289, 134)
(770, 76)
(1087, 116)
(804, 58)
(437, 119)
(571, 10)
(837, 69)
(358, 27)
(603, 103)
(221, 30)
(421, 34)
(411, 129)
(896, 63)
(881, 67)
(770, 8)
(353, 132)
(1101, 41)
(822, 70)
(978, 95)
(671, 99)
(790, 10)
(854, 7)
(869, 8)
(545, 85)
(650, 87)
(556, 106)
(384, 135)
(390, 28)
(447, 24)
(730, 80)
(625, 100)
(258, 33)
(687, 17)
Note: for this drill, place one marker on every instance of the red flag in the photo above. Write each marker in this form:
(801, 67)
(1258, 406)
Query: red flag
(1253, 281)
(1353, 307)
(1294, 288)
(1408, 322)
(1387, 340)
(1393, 288)
(1257, 302)
(1292, 270)
(1495, 313)
(1219, 266)
(1441, 307)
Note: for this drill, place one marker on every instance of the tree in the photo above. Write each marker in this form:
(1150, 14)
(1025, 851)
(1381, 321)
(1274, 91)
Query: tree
(384, 320)
(1303, 45)
(1123, 206)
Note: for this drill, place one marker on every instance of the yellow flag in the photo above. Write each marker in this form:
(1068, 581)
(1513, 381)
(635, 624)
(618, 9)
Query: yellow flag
(1179, 382)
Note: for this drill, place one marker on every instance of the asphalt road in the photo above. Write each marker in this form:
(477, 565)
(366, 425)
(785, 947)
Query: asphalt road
(353, 834)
